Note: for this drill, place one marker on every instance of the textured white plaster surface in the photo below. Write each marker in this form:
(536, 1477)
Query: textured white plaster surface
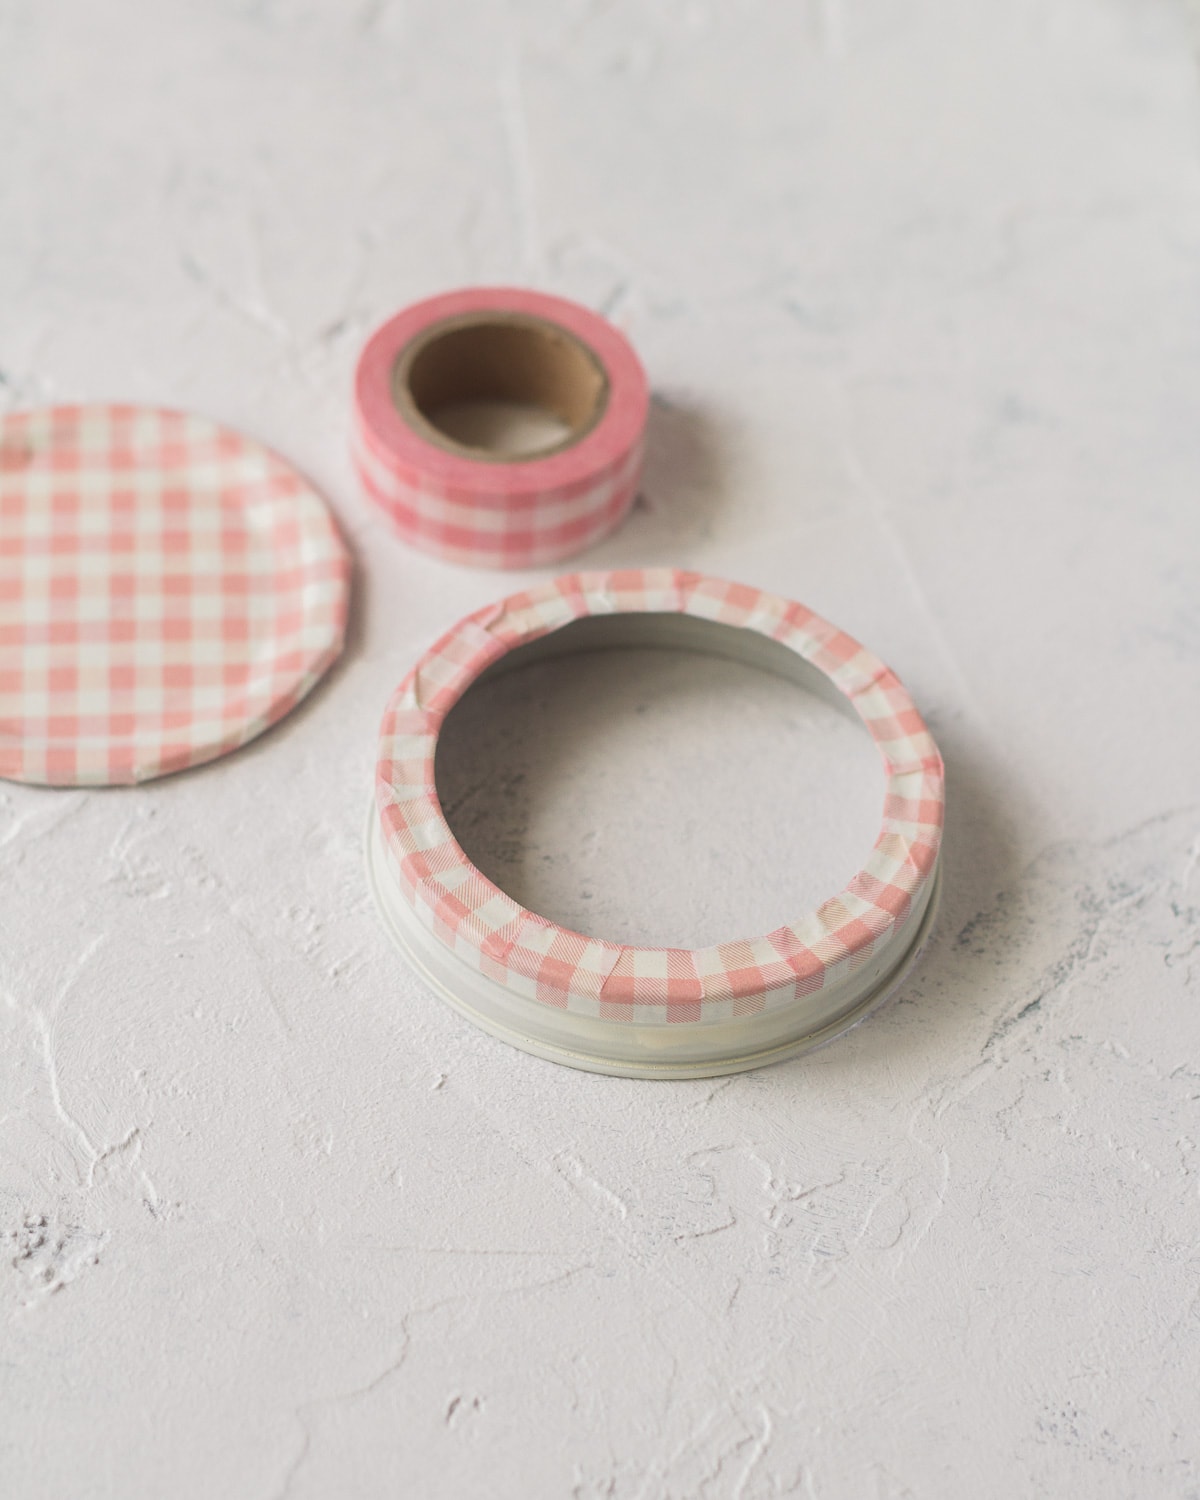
(916, 283)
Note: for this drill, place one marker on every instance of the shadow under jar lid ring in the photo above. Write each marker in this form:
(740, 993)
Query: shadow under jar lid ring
(637, 1011)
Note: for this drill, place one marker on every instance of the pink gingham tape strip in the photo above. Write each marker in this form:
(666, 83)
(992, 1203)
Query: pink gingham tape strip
(520, 514)
(168, 589)
(540, 961)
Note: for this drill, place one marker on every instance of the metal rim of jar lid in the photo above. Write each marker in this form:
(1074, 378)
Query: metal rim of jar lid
(644, 1012)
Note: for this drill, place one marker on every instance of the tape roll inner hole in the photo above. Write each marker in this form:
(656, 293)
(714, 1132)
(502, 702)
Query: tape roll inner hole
(500, 387)
(674, 783)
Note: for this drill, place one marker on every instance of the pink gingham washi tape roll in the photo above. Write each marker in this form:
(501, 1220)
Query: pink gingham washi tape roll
(168, 589)
(500, 502)
(646, 1011)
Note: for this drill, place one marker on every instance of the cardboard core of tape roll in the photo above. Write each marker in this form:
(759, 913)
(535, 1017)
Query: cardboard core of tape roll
(510, 359)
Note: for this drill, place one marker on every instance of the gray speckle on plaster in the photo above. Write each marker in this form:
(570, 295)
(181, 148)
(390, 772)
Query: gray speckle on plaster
(48, 1254)
(916, 287)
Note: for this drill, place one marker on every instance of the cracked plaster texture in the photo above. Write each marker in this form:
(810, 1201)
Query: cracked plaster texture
(916, 286)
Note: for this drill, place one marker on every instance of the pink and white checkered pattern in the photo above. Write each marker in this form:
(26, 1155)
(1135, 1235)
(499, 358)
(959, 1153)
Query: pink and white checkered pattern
(484, 527)
(168, 589)
(550, 964)
(468, 508)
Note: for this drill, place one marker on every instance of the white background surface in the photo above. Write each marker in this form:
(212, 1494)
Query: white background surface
(916, 286)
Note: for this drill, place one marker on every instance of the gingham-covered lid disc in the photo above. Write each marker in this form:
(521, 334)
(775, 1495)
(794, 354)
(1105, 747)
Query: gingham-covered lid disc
(168, 589)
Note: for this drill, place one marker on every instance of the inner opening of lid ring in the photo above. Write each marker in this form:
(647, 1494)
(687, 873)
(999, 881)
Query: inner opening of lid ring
(660, 780)
(500, 386)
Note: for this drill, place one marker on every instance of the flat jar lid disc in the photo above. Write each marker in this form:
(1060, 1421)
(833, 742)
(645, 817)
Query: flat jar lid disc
(168, 589)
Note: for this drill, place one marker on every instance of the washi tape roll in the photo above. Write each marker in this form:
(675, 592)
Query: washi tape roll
(168, 589)
(636, 1011)
(500, 428)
